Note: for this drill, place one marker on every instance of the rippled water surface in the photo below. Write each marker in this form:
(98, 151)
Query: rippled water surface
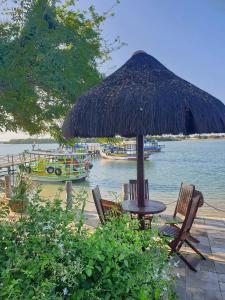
(201, 163)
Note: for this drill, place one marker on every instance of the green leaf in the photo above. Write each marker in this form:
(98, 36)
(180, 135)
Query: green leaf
(88, 272)
(126, 263)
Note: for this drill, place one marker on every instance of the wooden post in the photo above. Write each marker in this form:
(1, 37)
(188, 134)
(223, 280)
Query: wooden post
(8, 187)
(69, 195)
(140, 171)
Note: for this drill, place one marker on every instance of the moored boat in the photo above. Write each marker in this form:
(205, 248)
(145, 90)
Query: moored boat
(121, 152)
(152, 146)
(118, 156)
(52, 166)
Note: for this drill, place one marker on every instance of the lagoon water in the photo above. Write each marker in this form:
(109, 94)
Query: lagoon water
(200, 162)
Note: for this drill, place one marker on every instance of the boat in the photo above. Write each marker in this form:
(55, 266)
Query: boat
(53, 166)
(152, 146)
(120, 152)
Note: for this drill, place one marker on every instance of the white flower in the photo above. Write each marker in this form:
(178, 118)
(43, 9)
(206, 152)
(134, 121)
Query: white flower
(47, 227)
(176, 264)
(61, 246)
(65, 291)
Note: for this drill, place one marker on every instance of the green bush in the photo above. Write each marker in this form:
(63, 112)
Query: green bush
(49, 255)
(122, 262)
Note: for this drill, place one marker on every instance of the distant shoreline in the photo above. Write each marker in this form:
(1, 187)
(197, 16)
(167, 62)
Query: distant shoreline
(29, 141)
(158, 138)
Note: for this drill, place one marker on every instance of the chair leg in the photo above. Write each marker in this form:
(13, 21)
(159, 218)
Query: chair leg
(196, 250)
(193, 239)
(185, 261)
(181, 256)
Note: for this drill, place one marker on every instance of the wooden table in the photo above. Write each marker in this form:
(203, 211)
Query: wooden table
(151, 207)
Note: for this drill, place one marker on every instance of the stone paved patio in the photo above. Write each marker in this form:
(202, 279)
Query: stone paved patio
(209, 282)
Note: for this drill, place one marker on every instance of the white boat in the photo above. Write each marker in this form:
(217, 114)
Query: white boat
(121, 152)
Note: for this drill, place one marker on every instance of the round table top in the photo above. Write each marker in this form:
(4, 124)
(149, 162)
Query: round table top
(151, 207)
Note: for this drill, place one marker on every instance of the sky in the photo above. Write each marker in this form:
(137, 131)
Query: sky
(188, 37)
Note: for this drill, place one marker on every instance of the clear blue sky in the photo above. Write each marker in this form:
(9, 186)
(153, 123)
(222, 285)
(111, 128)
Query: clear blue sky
(188, 36)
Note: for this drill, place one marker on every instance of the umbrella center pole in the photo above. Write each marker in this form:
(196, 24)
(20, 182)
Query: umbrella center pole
(140, 170)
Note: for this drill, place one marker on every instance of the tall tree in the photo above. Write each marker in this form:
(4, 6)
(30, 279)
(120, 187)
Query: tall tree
(48, 58)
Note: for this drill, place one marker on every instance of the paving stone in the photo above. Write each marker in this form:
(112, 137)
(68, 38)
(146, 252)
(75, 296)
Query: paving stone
(202, 294)
(199, 220)
(221, 277)
(220, 267)
(194, 294)
(223, 295)
(217, 242)
(207, 265)
(222, 286)
(214, 222)
(202, 279)
(203, 240)
(218, 254)
(199, 232)
(216, 233)
(180, 292)
(212, 295)
(204, 249)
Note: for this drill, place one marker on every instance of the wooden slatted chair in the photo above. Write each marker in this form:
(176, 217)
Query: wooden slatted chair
(130, 193)
(133, 189)
(185, 195)
(187, 191)
(97, 200)
(126, 191)
(181, 235)
(104, 206)
(111, 208)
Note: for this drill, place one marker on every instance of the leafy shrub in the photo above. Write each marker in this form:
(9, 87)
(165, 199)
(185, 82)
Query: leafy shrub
(122, 262)
(4, 209)
(21, 191)
(49, 255)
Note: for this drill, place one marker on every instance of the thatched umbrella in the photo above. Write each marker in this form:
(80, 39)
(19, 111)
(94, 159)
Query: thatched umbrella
(144, 97)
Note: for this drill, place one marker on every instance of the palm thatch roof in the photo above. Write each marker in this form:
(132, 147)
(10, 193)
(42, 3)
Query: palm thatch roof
(144, 97)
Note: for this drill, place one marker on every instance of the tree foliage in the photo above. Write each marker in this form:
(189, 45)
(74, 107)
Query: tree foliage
(48, 58)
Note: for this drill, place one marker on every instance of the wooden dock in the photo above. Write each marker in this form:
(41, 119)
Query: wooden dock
(12, 160)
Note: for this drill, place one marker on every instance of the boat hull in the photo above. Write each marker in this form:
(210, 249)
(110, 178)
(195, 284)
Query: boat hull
(41, 178)
(118, 157)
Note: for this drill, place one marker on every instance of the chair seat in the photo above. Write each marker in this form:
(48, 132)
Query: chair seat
(173, 220)
(169, 230)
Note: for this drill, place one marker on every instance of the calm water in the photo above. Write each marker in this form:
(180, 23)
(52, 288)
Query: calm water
(201, 163)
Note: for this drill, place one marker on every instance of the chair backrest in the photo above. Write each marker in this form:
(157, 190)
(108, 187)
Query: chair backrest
(126, 191)
(185, 195)
(111, 208)
(97, 199)
(133, 189)
(201, 198)
(189, 217)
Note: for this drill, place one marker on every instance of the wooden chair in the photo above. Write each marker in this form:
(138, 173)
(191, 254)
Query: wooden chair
(187, 192)
(181, 235)
(111, 208)
(97, 200)
(126, 191)
(133, 189)
(185, 195)
(130, 193)
(103, 206)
